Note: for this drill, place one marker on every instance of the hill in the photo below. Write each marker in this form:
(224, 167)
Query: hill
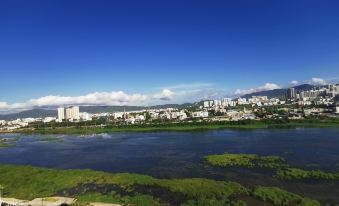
(35, 113)
(278, 93)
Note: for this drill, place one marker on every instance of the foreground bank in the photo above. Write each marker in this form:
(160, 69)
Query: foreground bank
(25, 182)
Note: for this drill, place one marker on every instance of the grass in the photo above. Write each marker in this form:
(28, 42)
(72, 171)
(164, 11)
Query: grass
(7, 142)
(245, 160)
(5, 145)
(98, 130)
(296, 173)
(26, 182)
(79, 128)
(51, 139)
(280, 197)
(283, 170)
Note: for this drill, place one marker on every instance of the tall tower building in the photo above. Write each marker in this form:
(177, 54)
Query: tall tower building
(61, 114)
(291, 93)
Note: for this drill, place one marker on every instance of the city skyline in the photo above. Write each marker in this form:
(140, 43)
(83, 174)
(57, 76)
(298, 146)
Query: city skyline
(166, 96)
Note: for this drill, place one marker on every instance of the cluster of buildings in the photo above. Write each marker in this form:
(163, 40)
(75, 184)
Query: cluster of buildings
(150, 115)
(324, 95)
(23, 122)
(220, 105)
(317, 101)
(71, 114)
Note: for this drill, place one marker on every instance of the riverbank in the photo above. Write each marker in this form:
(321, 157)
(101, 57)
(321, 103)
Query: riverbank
(185, 126)
(26, 182)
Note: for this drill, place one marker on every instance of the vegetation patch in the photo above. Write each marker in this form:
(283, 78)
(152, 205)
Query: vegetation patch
(281, 197)
(4, 145)
(283, 170)
(26, 182)
(7, 142)
(105, 126)
(246, 160)
(51, 139)
(296, 173)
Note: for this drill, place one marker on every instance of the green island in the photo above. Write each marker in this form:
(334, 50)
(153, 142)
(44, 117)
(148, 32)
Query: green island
(245, 160)
(50, 139)
(102, 127)
(26, 182)
(296, 173)
(7, 142)
(4, 145)
(283, 170)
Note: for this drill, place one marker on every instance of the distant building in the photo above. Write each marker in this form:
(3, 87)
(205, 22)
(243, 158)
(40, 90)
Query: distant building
(61, 114)
(72, 113)
(291, 93)
(206, 104)
(85, 116)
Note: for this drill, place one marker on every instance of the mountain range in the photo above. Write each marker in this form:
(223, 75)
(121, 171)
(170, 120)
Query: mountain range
(278, 93)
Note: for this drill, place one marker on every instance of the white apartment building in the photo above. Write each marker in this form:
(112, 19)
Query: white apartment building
(49, 119)
(242, 101)
(85, 116)
(72, 113)
(61, 114)
(2, 122)
(206, 104)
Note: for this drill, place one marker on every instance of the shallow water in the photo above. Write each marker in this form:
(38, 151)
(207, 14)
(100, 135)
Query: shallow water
(180, 154)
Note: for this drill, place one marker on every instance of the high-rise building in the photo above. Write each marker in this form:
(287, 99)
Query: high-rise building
(291, 93)
(206, 104)
(61, 114)
(73, 113)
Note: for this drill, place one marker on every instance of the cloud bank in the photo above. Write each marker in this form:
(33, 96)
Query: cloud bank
(317, 81)
(92, 99)
(265, 87)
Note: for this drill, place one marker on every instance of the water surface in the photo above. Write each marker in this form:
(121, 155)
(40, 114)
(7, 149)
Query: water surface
(180, 155)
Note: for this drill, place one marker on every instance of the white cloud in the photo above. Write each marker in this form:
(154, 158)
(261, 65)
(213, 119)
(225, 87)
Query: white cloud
(166, 95)
(317, 81)
(270, 86)
(194, 92)
(267, 86)
(294, 82)
(97, 98)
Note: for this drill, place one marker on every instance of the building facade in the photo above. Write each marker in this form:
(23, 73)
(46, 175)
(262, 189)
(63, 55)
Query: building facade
(61, 114)
(72, 113)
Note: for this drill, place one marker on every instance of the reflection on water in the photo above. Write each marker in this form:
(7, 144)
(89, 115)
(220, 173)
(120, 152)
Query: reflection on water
(180, 154)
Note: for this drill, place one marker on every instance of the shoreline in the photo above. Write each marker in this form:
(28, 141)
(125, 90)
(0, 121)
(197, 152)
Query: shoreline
(208, 126)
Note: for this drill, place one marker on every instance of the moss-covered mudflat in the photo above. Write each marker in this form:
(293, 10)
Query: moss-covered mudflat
(283, 170)
(7, 142)
(4, 145)
(245, 160)
(26, 182)
(298, 174)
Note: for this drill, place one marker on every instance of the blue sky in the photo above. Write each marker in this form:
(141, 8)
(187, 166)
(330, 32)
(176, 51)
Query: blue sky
(71, 48)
